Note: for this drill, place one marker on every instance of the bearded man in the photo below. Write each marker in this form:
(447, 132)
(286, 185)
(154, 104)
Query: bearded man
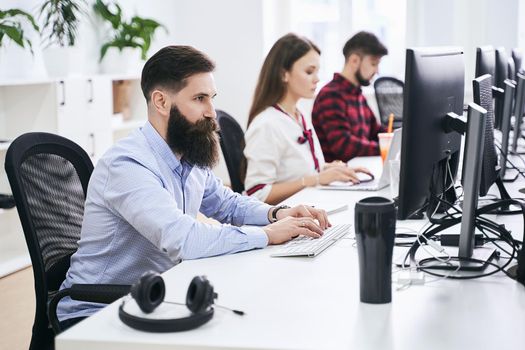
(344, 123)
(146, 191)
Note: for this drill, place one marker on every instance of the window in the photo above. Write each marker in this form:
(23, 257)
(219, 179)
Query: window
(330, 23)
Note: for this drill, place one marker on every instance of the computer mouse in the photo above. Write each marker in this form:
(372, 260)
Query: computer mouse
(363, 177)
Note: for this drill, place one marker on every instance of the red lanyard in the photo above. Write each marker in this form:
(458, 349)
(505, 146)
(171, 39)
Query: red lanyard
(307, 136)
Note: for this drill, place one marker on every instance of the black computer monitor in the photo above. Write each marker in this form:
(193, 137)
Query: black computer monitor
(500, 74)
(434, 87)
(511, 69)
(510, 91)
(501, 67)
(482, 95)
(518, 110)
(485, 61)
(517, 57)
(475, 142)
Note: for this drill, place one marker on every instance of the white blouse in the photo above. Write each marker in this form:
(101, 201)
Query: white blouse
(275, 153)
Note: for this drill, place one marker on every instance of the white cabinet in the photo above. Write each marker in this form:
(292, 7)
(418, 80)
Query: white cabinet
(79, 108)
(84, 108)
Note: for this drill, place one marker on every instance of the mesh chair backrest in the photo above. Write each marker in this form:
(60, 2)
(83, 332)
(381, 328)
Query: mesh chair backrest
(232, 145)
(389, 96)
(48, 175)
(55, 203)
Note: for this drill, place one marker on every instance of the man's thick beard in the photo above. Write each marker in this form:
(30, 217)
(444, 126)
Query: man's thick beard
(197, 143)
(362, 81)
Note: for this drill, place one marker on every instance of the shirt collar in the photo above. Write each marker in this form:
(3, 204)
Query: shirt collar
(346, 84)
(159, 146)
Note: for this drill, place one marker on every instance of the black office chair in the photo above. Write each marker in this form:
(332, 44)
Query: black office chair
(389, 97)
(232, 145)
(49, 176)
(6, 201)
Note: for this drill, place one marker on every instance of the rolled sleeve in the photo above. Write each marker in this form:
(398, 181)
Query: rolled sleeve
(226, 206)
(160, 220)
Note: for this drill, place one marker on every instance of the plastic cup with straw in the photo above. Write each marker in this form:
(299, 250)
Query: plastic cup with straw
(385, 139)
(390, 127)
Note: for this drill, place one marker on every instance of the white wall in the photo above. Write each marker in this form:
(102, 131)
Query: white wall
(465, 23)
(236, 34)
(229, 31)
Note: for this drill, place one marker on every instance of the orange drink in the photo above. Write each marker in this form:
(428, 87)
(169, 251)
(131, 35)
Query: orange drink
(385, 139)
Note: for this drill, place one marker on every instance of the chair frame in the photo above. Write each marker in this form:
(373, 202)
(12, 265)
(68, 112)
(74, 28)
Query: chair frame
(21, 148)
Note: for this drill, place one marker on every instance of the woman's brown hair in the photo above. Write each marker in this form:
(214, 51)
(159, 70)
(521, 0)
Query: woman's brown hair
(270, 86)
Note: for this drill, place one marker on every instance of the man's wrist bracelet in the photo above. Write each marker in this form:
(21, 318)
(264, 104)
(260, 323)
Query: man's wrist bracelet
(274, 213)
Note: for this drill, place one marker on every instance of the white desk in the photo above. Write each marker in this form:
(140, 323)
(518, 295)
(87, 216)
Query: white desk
(305, 303)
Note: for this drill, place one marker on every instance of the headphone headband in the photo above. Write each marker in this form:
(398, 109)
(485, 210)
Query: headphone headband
(164, 325)
(149, 292)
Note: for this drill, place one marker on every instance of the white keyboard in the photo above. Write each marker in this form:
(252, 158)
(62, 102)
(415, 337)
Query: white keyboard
(307, 246)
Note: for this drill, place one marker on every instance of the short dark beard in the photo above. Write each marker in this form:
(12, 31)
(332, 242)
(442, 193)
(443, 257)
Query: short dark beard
(198, 143)
(362, 81)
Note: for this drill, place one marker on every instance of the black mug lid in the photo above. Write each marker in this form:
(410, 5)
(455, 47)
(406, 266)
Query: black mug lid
(375, 205)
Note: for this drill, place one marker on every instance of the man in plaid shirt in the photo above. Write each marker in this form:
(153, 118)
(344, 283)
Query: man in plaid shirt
(344, 123)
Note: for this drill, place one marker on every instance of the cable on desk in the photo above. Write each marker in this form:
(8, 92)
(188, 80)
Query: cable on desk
(494, 227)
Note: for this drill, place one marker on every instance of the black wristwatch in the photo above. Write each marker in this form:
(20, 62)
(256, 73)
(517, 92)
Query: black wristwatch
(274, 213)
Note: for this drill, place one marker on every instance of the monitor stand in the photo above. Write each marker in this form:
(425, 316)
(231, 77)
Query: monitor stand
(511, 175)
(484, 255)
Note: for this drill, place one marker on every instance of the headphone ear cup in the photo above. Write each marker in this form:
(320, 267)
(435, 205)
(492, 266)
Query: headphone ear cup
(200, 295)
(149, 291)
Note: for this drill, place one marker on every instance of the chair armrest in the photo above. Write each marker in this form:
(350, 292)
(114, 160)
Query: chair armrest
(96, 293)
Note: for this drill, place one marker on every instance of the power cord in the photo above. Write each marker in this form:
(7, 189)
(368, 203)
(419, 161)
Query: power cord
(433, 229)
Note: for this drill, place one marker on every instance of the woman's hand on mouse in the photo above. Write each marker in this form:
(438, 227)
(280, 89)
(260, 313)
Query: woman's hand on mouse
(332, 174)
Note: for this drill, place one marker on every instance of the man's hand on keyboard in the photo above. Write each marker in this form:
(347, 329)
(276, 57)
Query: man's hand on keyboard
(284, 230)
(305, 211)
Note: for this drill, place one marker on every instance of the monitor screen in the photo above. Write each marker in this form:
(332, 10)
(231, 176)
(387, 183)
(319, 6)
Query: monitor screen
(485, 61)
(517, 57)
(509, 92)
(434, 87)
(501, 71)
(500, 74)
(482, 93)
(511, 70)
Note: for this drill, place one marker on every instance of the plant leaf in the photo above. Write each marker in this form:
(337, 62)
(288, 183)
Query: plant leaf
(18, 12)
(15, 33)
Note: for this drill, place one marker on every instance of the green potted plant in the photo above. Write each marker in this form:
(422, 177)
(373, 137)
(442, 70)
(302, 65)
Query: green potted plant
(61, 19)
(126, 38)
(12, 25)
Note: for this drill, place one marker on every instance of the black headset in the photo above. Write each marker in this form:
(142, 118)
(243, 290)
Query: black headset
(149, 293)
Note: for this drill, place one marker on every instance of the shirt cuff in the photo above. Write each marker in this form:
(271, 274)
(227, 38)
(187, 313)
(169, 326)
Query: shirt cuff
(256, 236)
(258, 216)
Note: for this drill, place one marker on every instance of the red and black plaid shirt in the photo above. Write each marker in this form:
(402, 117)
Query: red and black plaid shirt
(344, 123)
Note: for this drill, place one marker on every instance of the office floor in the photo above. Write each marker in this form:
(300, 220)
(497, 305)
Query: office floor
(17, 307)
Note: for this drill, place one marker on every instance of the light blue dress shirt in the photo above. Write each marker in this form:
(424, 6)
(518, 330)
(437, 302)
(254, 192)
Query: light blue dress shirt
(140, 213)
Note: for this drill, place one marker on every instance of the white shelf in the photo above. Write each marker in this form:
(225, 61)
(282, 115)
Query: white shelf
(123, 76)
(48, 80)
(26, 81)
(4, 146)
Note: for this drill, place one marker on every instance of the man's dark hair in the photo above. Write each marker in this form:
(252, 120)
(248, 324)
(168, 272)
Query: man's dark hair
(364, 43)
(171, 66)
